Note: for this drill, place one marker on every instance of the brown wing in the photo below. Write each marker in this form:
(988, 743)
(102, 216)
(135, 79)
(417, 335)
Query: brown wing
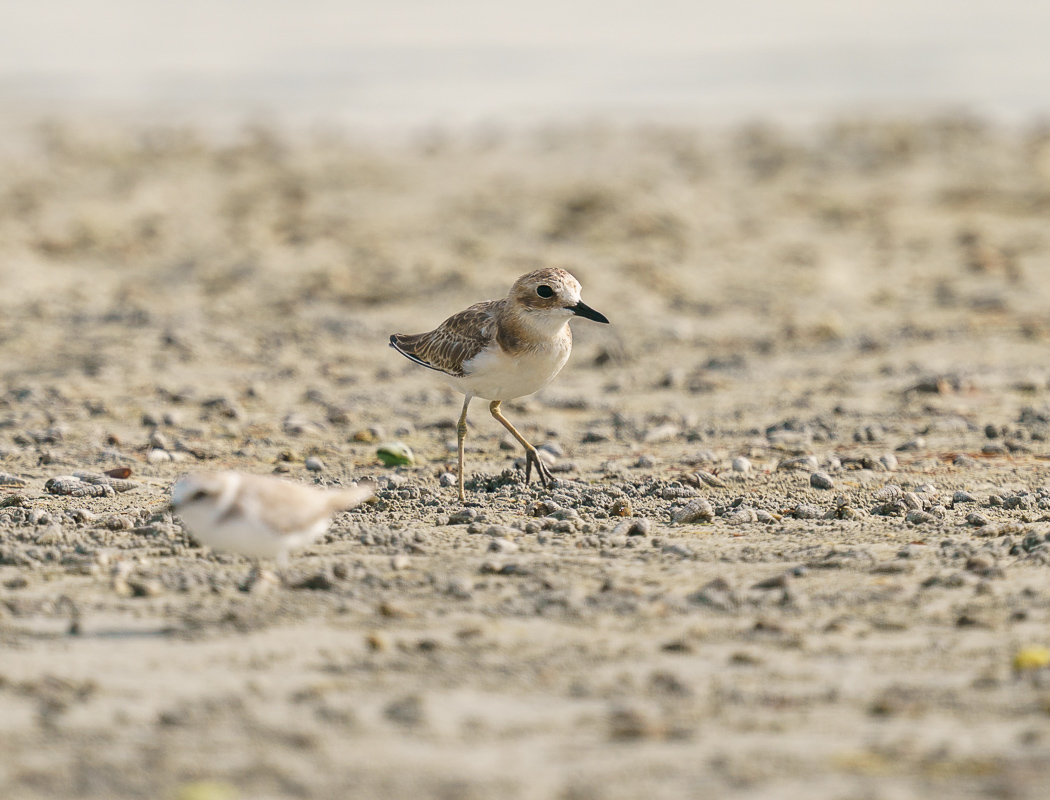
(452, 343)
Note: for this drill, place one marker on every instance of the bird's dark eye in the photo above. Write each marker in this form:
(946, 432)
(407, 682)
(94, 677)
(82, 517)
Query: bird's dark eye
(544, 291)
(200, 494)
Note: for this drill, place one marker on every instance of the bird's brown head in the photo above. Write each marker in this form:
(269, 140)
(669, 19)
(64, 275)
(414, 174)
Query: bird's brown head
(552, 290)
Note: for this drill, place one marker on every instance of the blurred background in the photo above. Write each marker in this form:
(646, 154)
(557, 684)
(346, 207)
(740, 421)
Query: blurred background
(411, 62)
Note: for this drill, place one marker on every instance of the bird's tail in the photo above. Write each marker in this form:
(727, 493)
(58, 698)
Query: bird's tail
(346, 499)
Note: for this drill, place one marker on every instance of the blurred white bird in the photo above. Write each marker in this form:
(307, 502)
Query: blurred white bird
(258, 515)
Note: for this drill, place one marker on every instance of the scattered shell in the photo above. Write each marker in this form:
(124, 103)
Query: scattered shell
(678, 492)
(741, 516)
(697, 511)
(74, 487)
(889, 461)
(807, 511)
(920, 517)
(912, 501)
(396, 454)
(707, 478)
(447, 479)
(741, 464)
(118, 484)
(10, 480)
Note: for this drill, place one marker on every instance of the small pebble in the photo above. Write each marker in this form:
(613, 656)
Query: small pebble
(741, 464)
(679, 550)
(502, 546)
(553, 448)
(821, 480)
(463, 517)
(809, 463)
(314, 464)
(633, 527)
(145, 587)
(158, 456)
(661, 433)
(918, 443)
(460, 588)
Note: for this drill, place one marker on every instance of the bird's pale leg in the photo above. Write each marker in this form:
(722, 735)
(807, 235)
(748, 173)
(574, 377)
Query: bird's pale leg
(461, 435)
(531, 456)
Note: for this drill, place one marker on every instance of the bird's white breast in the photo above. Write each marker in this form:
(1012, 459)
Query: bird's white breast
(496, 375)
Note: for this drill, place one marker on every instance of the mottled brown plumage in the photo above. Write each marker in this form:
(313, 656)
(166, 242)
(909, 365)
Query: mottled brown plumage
(455, 341)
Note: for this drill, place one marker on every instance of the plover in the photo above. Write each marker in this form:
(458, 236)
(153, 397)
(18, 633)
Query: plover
(258, 515)
(502, 349)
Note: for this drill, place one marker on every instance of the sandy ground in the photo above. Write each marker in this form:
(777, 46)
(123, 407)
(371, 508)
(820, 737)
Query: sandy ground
(868, 300)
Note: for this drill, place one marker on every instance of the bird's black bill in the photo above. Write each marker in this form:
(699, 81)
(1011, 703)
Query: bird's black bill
(583, 310)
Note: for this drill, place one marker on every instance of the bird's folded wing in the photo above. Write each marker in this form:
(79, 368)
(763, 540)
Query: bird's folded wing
(454, 342)
(287, 507)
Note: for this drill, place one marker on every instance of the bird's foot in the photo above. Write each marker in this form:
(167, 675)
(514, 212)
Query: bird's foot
(543, 473)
